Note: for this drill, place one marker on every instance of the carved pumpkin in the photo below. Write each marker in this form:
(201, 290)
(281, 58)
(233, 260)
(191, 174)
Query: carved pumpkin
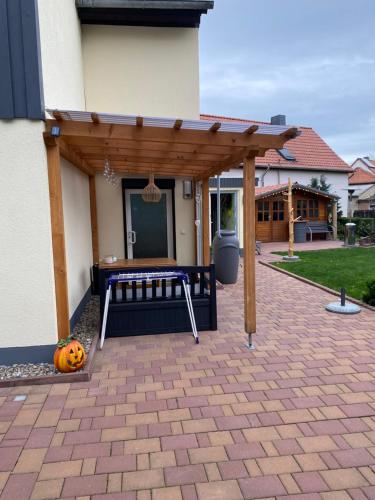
(69, 356)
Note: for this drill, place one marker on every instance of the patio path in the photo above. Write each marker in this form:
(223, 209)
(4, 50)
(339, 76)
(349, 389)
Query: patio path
(165, 419)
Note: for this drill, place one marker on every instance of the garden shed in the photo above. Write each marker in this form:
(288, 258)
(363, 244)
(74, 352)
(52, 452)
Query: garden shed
(311, 205)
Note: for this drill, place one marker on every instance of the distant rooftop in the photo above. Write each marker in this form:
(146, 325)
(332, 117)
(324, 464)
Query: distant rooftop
(306, 151)
(159, 13)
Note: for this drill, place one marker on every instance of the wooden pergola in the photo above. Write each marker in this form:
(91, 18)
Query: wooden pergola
(166, 147)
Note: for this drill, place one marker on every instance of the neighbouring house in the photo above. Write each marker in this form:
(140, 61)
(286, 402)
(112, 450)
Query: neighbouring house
(305, 157)
(81, 84)
(362, 185)
(309, 204)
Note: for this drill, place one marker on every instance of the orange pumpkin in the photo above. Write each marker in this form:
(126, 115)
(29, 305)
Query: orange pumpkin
(69, 356)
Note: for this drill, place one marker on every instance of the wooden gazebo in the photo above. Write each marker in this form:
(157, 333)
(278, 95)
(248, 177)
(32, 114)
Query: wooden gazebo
(173, 147)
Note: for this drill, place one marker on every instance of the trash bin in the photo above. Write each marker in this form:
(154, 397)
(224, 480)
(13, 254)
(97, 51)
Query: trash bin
(226, 253)
(300, 229)
(349, 239)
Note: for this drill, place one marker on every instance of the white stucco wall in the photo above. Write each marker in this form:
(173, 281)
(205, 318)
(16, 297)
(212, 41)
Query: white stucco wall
(77, 225)
(141, 70)
(27, 290)
(338, 181)
(150, 72)
(111, 222)
(60, 36)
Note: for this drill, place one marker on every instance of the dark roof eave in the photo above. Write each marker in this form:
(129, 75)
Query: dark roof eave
(202, 5)
(173, 14)
(307, 167)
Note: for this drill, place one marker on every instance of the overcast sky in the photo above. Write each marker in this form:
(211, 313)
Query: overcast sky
(312, 60)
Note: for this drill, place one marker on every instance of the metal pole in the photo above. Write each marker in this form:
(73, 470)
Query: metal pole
(342, 297)
(218, 207)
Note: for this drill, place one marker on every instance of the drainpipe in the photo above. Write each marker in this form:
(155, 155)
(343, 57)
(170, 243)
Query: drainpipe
(198, 217)
(263, 176)
(218, 207)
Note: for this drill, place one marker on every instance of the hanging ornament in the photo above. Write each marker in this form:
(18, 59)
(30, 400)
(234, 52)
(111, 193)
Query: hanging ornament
(151, 193)
(109, 174)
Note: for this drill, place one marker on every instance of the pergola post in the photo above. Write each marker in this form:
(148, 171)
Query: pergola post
(58, 238)
(94, 220)
(206, 221)
(249, 246)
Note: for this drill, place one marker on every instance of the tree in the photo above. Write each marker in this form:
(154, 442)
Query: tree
(320, 183)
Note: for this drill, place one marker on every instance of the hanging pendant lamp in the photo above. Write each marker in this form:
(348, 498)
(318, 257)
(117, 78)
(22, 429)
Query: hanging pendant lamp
(151, 193)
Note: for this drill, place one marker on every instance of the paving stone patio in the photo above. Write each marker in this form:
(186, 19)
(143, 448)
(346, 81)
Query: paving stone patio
(163, 418)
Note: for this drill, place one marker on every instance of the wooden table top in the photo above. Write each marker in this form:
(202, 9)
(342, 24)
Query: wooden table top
(123, 263)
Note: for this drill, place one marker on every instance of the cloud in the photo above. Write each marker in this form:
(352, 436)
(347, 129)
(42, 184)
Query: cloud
(241, 80)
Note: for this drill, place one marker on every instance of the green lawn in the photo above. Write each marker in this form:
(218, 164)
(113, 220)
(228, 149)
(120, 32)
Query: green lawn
(350, 268)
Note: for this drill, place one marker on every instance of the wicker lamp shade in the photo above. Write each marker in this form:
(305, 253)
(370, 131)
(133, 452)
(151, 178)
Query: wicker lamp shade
(151, 193)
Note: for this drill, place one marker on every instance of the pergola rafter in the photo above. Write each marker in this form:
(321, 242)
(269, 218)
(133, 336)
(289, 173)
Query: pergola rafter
(134, 145)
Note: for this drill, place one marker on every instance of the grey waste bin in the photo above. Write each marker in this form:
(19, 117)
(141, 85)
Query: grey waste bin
(300, 229)
(349, 240)
(226, 253)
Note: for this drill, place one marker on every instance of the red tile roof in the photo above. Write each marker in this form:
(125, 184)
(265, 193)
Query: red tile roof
(360, 176)
(269, 189)
(263, 191)
(309, 149)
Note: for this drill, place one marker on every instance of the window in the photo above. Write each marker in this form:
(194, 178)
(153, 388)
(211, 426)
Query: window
(278, 210)
(302, 209)
(256, 181)
(313, 209)
(263, 211)
(286, 154)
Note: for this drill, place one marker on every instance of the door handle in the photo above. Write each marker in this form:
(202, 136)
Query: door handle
(132, 238)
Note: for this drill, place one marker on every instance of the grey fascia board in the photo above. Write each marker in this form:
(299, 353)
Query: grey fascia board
(147, 4)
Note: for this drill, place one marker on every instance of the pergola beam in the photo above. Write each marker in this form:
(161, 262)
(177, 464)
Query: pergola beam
(215, 127)
(95, 118)
(166, 135)
(192, 162)
(77, 161)
(177, 124)
(251, 130)
(174, 147)
(100, 152)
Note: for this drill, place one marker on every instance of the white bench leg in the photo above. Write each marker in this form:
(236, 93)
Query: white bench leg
(191, 311)
(105, 315)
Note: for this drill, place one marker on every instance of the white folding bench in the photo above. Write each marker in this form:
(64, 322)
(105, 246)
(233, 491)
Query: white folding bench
(148, 277)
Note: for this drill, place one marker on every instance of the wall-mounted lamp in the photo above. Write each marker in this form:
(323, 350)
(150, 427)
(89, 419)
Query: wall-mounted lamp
(187, 190)
(55, 131)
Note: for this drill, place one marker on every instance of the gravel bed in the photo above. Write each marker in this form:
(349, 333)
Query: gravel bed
(85, 330)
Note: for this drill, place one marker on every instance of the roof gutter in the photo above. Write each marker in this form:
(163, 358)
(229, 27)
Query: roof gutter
(146, 4)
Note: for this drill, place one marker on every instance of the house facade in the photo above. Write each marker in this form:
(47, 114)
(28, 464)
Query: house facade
(140, 58)
(362, 185)
(307, 156)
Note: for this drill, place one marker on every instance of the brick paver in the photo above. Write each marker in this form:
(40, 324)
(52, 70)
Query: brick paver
(163, 418)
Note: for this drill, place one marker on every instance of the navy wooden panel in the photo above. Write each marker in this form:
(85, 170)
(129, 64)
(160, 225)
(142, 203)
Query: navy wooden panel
(21, 87)
(160, 314)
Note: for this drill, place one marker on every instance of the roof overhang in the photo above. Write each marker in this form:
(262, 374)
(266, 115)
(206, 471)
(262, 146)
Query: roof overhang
(295, 187)
(171, 13)
(305, 167)
(167, 147)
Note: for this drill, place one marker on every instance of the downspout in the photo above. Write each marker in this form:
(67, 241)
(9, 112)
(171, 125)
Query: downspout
(218, 207)
(263, 176)
(198, 218)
